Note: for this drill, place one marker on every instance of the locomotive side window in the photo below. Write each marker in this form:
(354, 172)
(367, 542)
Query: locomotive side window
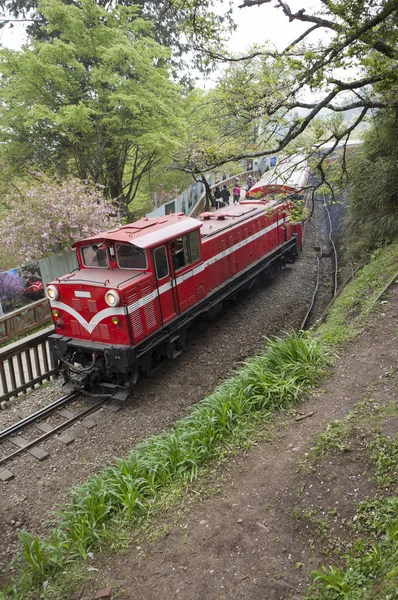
(194, 246)
(186, 250)
(93, 256)
(130, 257)
(161, 264)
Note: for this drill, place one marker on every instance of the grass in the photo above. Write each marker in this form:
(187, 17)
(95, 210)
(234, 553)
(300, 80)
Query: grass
(126, 494)
(372, 575)
(350, 312)
(370, 571)
(127, 491)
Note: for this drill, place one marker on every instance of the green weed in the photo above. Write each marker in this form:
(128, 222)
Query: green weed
(276, 379)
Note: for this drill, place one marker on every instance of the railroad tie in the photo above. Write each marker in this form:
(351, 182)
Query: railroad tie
(37, 452)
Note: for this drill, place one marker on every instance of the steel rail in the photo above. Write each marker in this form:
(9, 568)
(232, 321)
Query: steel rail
(49, 434)
(40, 414)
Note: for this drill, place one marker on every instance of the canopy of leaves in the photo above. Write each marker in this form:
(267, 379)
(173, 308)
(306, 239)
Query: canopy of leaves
(94, 101)
(270, 92)
(47, 218)
(168, 19)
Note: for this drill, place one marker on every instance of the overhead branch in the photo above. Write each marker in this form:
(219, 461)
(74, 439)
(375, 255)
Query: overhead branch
(388, 9)
(343, 107)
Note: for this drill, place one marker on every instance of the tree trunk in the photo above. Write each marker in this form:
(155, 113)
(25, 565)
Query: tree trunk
(209, 196)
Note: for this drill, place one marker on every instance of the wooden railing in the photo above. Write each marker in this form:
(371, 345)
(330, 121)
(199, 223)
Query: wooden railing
(23, 320)
(200, 205)
(25, 364)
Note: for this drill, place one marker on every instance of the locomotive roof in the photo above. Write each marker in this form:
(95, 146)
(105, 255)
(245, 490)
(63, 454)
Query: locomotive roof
(147, 232)
(150, 232)
(223, 218)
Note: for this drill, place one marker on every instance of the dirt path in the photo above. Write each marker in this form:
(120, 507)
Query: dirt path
(260, 536)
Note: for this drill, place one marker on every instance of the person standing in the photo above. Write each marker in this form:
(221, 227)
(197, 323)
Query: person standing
(236, 193)
(225, 193)
(218, 196)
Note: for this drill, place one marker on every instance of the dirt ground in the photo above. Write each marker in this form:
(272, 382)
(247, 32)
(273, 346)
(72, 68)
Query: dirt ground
(272, 522)
(251, 539)
(217, 348)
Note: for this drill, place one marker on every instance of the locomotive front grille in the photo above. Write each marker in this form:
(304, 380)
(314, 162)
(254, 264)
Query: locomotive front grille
(76, 304)
(149, 311)
(135, 315)
(104, 332)
(92, 306)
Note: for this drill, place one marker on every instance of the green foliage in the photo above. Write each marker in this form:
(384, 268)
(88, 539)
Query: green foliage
(351, 309)
(299, 212)
(95, 99)
(168, 26)
(259, 98)
(333, 438)
(371, 576)
(385, 457)
(373, 209)
(43, 558)
(267, 382)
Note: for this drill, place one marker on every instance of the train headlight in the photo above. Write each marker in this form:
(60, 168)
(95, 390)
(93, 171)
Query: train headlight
(52, 292)
(112, 298)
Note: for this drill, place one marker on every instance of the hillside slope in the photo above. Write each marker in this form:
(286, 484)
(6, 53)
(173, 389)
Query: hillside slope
(269, 516)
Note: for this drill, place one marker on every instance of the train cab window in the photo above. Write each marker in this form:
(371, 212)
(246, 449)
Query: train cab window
(194, 246)
(130, 257)
(177, 250)
(186, 250)
(94, 256)
(161, 264)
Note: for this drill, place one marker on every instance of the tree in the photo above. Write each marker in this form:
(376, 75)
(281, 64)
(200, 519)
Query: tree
(95, 101)
(354, 69)
(168, 20)
(48, 217)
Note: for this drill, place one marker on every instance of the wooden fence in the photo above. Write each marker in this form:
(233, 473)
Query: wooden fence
(22, 321)
(25, 364)
(230, 182)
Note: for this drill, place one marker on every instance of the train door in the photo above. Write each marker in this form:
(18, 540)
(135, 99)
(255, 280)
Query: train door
(165, 285)
(189, 274)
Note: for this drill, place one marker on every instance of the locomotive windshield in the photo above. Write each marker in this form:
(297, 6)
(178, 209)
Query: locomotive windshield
(94, 256)
(130, 257)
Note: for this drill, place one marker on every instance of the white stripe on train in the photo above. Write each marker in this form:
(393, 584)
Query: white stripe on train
(107, 312)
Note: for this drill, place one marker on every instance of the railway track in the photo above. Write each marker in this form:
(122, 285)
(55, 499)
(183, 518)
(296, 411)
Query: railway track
(37, 422)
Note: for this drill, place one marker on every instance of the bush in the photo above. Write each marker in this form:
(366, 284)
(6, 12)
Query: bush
(373, 209)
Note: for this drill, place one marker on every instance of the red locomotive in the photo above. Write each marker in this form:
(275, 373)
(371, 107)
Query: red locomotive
(139, 287)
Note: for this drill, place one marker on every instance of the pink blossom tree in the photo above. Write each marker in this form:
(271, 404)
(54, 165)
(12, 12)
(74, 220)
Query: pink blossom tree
(11, 288)
(48, 218)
